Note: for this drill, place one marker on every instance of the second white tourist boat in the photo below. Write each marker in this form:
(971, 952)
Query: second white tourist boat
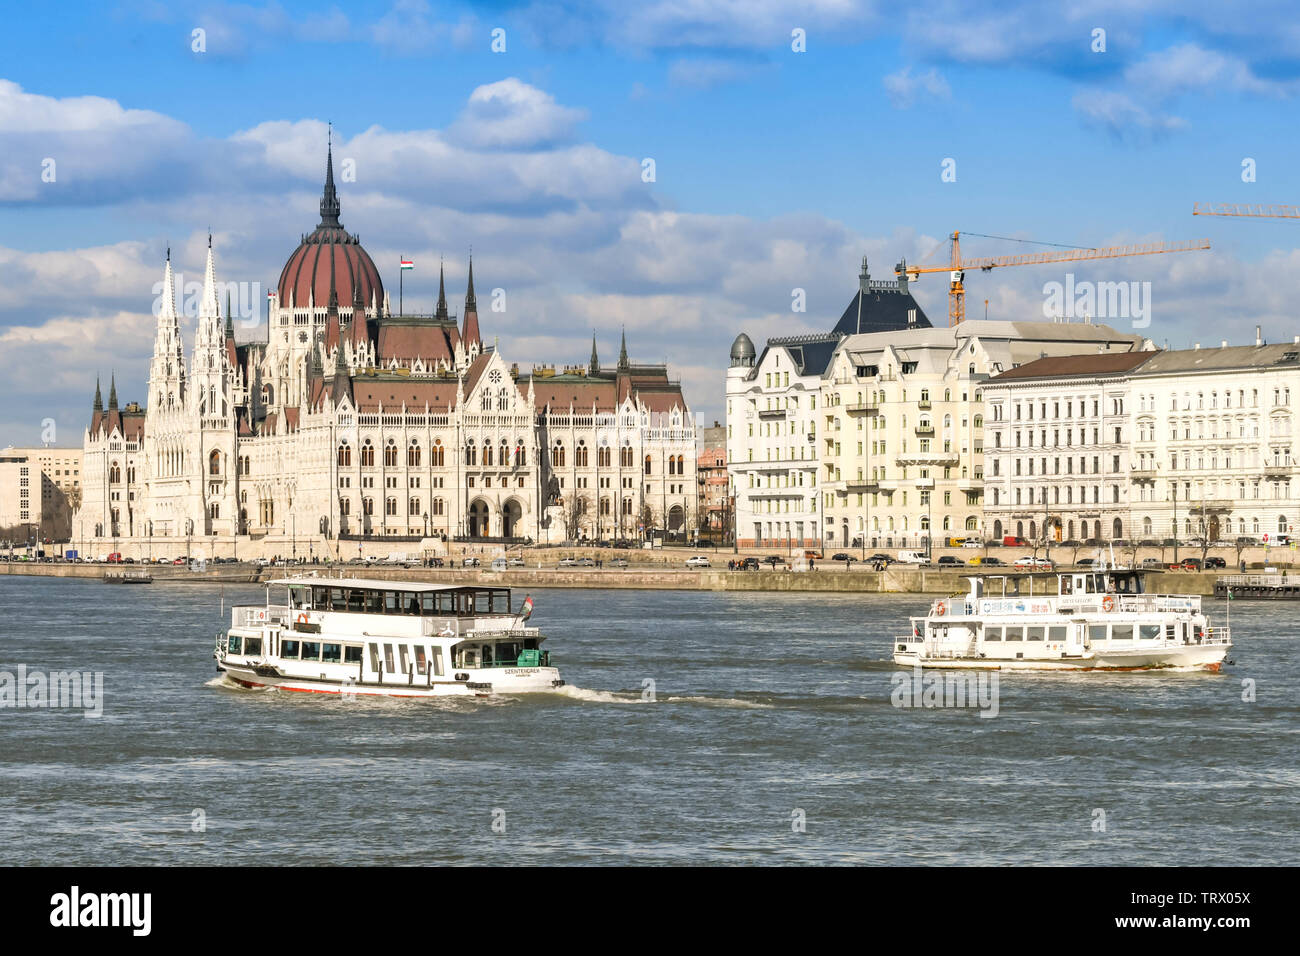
(387, 638)
(1098, 621)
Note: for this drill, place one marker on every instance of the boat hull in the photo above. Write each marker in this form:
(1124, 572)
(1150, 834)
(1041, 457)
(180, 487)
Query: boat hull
(1196, 658)
(478, 683)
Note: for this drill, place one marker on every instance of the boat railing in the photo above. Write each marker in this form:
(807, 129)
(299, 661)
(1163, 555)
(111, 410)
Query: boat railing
(1216, 635)
(1160, 602)
(255, 615)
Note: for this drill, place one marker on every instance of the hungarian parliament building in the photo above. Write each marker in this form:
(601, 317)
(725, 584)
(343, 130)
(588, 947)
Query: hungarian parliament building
(349, 422)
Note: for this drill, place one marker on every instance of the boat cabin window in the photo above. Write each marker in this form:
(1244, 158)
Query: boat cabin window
(1148, 632)
(253, 645)
(1056, 632)
(406, 659)
(331, 653)
(1096, 632)
(1015, 633)
(420, 663)
(1035, 633)
(289, 649)
(388, 658)
(436, 656)
(233, 644)
(1121, 632)
(993, 633)
(352, 654)
(374, 657)
(311, 650)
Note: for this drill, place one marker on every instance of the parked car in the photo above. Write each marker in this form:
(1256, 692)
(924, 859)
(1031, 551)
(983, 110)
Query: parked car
(749, 564)
(618, 562)
(842, 556)
(1031, 562)
(586, 562)
(515, 562)
(469, 562)
(948, 559)
(1085, 562)
(1151, 563)
(114, 558)
(912, 557)
(774, 560)
(879, 558)
(180, 562)
(698, 561)
(436, 563)
(1215, 563)
(991, 562)
(973, 543)
(1189, 564)
(567, 563)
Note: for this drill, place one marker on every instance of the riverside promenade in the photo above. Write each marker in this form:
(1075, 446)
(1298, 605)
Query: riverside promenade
(826, 578)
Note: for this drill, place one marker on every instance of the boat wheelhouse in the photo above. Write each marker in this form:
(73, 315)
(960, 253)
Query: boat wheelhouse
(388, 638)
(1096, 620)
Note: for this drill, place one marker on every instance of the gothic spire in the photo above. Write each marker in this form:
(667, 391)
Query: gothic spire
(623, 363)
(230, 326)
(112, 394)
(99, 399)
(442, 294)
(329, 200)
(471, 304)
(594, 367)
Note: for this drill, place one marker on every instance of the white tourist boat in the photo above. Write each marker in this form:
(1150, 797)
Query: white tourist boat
(1097, 620)
(386, 638)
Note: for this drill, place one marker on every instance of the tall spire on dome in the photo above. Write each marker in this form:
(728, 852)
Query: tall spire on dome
(329, 200)
(471, 303)
(442, 294)
(594, 367)
(99, 399)
(623, 363)
(112, 393)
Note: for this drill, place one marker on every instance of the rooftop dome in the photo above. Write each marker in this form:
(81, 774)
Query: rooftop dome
(742, 351)
(330, 257)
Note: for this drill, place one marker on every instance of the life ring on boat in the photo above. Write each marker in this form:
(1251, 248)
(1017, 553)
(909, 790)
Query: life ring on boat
(1108, 603)
(302, 618)
(940, 608)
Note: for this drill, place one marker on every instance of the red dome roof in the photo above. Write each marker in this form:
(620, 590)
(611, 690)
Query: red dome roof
(330, 258)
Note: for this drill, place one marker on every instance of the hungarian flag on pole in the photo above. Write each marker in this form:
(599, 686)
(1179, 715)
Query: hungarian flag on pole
(526, 610)
(407, 264)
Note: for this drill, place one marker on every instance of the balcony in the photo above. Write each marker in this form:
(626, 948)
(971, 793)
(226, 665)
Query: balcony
(771, 413)
(861, 485)
(923, 404)
(928, 458)
(1278, 471)
(863, 408)
(926, 428)
(970, 484)
(924, 483)
(1210, 504)
(1142, 472)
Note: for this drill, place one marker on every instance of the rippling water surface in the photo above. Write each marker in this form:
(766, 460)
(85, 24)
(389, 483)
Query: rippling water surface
(765, 705)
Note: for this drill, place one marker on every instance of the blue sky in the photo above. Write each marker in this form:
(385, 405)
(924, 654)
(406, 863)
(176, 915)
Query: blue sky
(775, 169)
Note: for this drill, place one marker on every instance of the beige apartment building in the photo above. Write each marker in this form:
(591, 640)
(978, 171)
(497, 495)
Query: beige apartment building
(40, 487)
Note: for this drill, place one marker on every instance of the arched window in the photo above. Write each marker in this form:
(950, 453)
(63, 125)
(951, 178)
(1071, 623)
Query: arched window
(367, 456)
(438, 456)
(368, 506)
(647, 464)
(345, 455)
(557, 455)
(521, 455)
(214, 463)
(437, 506)
(580, 455)
(413, 507)
(471, 453)
(603, 456)
(1281, 524)
(114, 473)
(413, 455)
(390, 454)
(487, 454)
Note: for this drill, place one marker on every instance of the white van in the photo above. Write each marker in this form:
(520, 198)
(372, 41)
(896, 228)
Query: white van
(912, 557)
(499, 564)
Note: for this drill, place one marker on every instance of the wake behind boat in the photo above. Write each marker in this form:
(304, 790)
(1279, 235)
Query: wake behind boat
(386, 638)
(1098, 620)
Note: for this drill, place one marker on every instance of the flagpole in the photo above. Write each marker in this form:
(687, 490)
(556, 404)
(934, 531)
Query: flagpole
(401, 275)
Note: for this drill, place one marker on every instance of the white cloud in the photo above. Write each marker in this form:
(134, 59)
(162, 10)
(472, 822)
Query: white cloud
(905, 90)
(510, 114)
(1121, 115)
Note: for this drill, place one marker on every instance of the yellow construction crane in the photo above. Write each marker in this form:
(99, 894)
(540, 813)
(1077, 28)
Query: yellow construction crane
(957, 266)
(1255, 210)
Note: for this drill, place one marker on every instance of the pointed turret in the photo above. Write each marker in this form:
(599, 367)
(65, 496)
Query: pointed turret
(329, 200)
(594, 367)
(623, 364)
(469, 332)
(112, 393)
(441, 311)
(360, 333)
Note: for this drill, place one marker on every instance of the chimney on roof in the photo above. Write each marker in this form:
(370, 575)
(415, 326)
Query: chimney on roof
(1258, 338)
(864, 277)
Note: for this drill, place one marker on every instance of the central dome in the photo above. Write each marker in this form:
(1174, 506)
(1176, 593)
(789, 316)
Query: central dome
(330, 258)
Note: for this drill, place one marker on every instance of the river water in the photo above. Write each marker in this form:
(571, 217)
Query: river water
(772, 737)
